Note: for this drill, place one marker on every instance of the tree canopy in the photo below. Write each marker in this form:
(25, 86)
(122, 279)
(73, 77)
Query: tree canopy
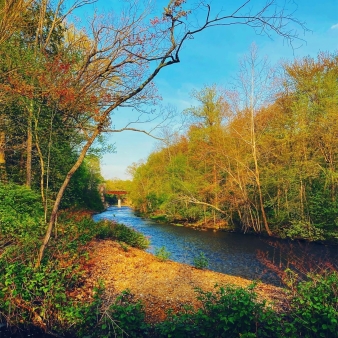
(264, 168)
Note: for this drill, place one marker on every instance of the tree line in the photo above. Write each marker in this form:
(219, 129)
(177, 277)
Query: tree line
(260, 156)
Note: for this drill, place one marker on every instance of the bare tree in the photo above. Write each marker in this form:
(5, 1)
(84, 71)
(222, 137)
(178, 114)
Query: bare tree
(254, 89)
(123, 54)
(3, 177)
(11, 13)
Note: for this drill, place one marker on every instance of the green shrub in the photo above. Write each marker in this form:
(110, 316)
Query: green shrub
(21, 214)
(303, 229)
(228, 312)
(35, 296)
(130, 236)
(124, 246)
(162, 254)
(181, 325)
(38, 296)
(124, 318)
(105, 229)
(233, 311)
(201, 262)
(314, 307)
(129, 316)
(159, 218)
(86, 318)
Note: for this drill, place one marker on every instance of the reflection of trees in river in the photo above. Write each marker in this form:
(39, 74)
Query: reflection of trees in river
(300, 257)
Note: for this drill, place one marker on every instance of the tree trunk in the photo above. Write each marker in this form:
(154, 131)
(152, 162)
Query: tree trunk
(254, 151)
(42, 164)
(29, 147)
(57, 202)
(3, 176)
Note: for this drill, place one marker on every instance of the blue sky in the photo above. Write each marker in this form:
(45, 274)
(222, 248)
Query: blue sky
(212, 58)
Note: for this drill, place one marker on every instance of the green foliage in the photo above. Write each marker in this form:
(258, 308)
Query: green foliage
(130, 236)
(36, 296)
(200, 261)
(86, 319)
(124, 246)
(124, 318)
(105, 229)
(314, 307)
(162, 254)
(129, 316)
(121, 233)
(21, 213)
(41, 296)
(159, 218)
(323, 208)
(304, 230)
(82, 191)
(180, 325)
(227, 312)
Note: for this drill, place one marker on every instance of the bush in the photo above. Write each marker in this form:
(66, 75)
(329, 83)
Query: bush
(162, 254)
(130, 236)
(39, 296)
(124, 318)
(159, 218)
(21, 214)
(36, 296)
(314, 307)
(303, 229)
(129, 316)
(228, 312)
(201, 262)
(105, 229)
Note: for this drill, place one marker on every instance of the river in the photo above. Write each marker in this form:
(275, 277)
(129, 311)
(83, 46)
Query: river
(229, 253)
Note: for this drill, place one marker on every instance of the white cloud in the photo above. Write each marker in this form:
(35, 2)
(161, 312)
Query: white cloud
(334, 26)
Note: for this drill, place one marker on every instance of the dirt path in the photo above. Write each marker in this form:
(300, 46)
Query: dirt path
(160, 285)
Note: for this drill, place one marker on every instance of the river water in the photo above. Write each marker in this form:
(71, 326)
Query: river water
(229, 253)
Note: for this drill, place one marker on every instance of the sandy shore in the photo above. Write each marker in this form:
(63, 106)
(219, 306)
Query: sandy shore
(160, 285)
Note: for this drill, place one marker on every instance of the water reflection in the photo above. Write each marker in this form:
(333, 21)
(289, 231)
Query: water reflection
(230, 253)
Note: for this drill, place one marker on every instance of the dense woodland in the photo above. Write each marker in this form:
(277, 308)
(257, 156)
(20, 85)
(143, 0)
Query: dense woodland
(40, 112)
(261, 156)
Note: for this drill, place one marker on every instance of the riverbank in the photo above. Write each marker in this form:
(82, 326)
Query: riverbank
(159, 285)
(223, 226)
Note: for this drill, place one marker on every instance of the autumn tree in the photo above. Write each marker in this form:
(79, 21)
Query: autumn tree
(288, 135)
(311, 135)
(11, 17)
(206, 136)
(254, 89)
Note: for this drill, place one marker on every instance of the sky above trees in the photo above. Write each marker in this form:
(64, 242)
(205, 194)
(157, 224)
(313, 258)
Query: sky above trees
(212, 57)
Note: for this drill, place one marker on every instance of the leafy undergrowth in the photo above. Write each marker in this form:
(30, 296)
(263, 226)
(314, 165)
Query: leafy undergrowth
(228, 311)
(46, 297)
(43, 297)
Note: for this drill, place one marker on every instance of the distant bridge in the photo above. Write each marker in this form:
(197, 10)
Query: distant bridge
(118, 193)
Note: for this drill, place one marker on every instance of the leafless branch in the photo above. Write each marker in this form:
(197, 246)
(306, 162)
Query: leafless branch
(193, 200)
